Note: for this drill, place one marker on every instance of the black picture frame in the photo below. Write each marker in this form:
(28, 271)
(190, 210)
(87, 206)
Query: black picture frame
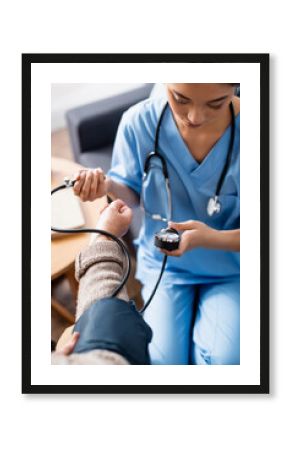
(263, 61)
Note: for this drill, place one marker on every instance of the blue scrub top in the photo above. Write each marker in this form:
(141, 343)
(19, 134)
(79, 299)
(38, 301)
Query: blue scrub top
(192, 184)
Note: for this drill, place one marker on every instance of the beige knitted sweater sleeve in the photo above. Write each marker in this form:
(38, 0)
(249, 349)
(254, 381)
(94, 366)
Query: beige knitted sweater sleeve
(99, 269)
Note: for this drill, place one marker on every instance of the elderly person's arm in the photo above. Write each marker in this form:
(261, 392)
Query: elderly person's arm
(99, 269)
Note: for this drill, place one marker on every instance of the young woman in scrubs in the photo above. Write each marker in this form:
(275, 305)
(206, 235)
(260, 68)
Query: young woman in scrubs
(204, 273)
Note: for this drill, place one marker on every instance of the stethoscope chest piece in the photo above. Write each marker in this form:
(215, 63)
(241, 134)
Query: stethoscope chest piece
(167, 239)
(213, 206)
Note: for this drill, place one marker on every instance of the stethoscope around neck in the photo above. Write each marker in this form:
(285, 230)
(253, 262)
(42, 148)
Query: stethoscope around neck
(214, 205)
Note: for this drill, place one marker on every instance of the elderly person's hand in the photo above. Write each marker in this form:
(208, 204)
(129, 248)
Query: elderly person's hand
(115, 218)
(69, 343)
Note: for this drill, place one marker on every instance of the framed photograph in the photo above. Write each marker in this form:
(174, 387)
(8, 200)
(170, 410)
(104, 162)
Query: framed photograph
(195, 155)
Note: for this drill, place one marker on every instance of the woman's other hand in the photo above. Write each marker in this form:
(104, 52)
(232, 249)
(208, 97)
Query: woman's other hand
(198, 234)
(194, 234)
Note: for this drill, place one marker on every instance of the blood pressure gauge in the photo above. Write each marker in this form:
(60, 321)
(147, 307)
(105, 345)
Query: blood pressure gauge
(167, 239)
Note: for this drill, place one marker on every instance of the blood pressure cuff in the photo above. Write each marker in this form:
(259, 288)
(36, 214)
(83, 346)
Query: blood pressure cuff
(116, 325)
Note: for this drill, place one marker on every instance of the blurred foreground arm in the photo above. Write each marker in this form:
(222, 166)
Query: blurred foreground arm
(99, 270)
(100, 267)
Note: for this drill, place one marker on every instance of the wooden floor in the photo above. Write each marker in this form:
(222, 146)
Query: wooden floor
(60, 147)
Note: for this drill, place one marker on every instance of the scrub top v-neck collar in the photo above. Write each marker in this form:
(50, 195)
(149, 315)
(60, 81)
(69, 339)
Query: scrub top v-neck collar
(209, 165)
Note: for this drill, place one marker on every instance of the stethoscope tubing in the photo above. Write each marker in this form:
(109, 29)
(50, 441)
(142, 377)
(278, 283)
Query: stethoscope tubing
(104, 233)
(157, 154)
